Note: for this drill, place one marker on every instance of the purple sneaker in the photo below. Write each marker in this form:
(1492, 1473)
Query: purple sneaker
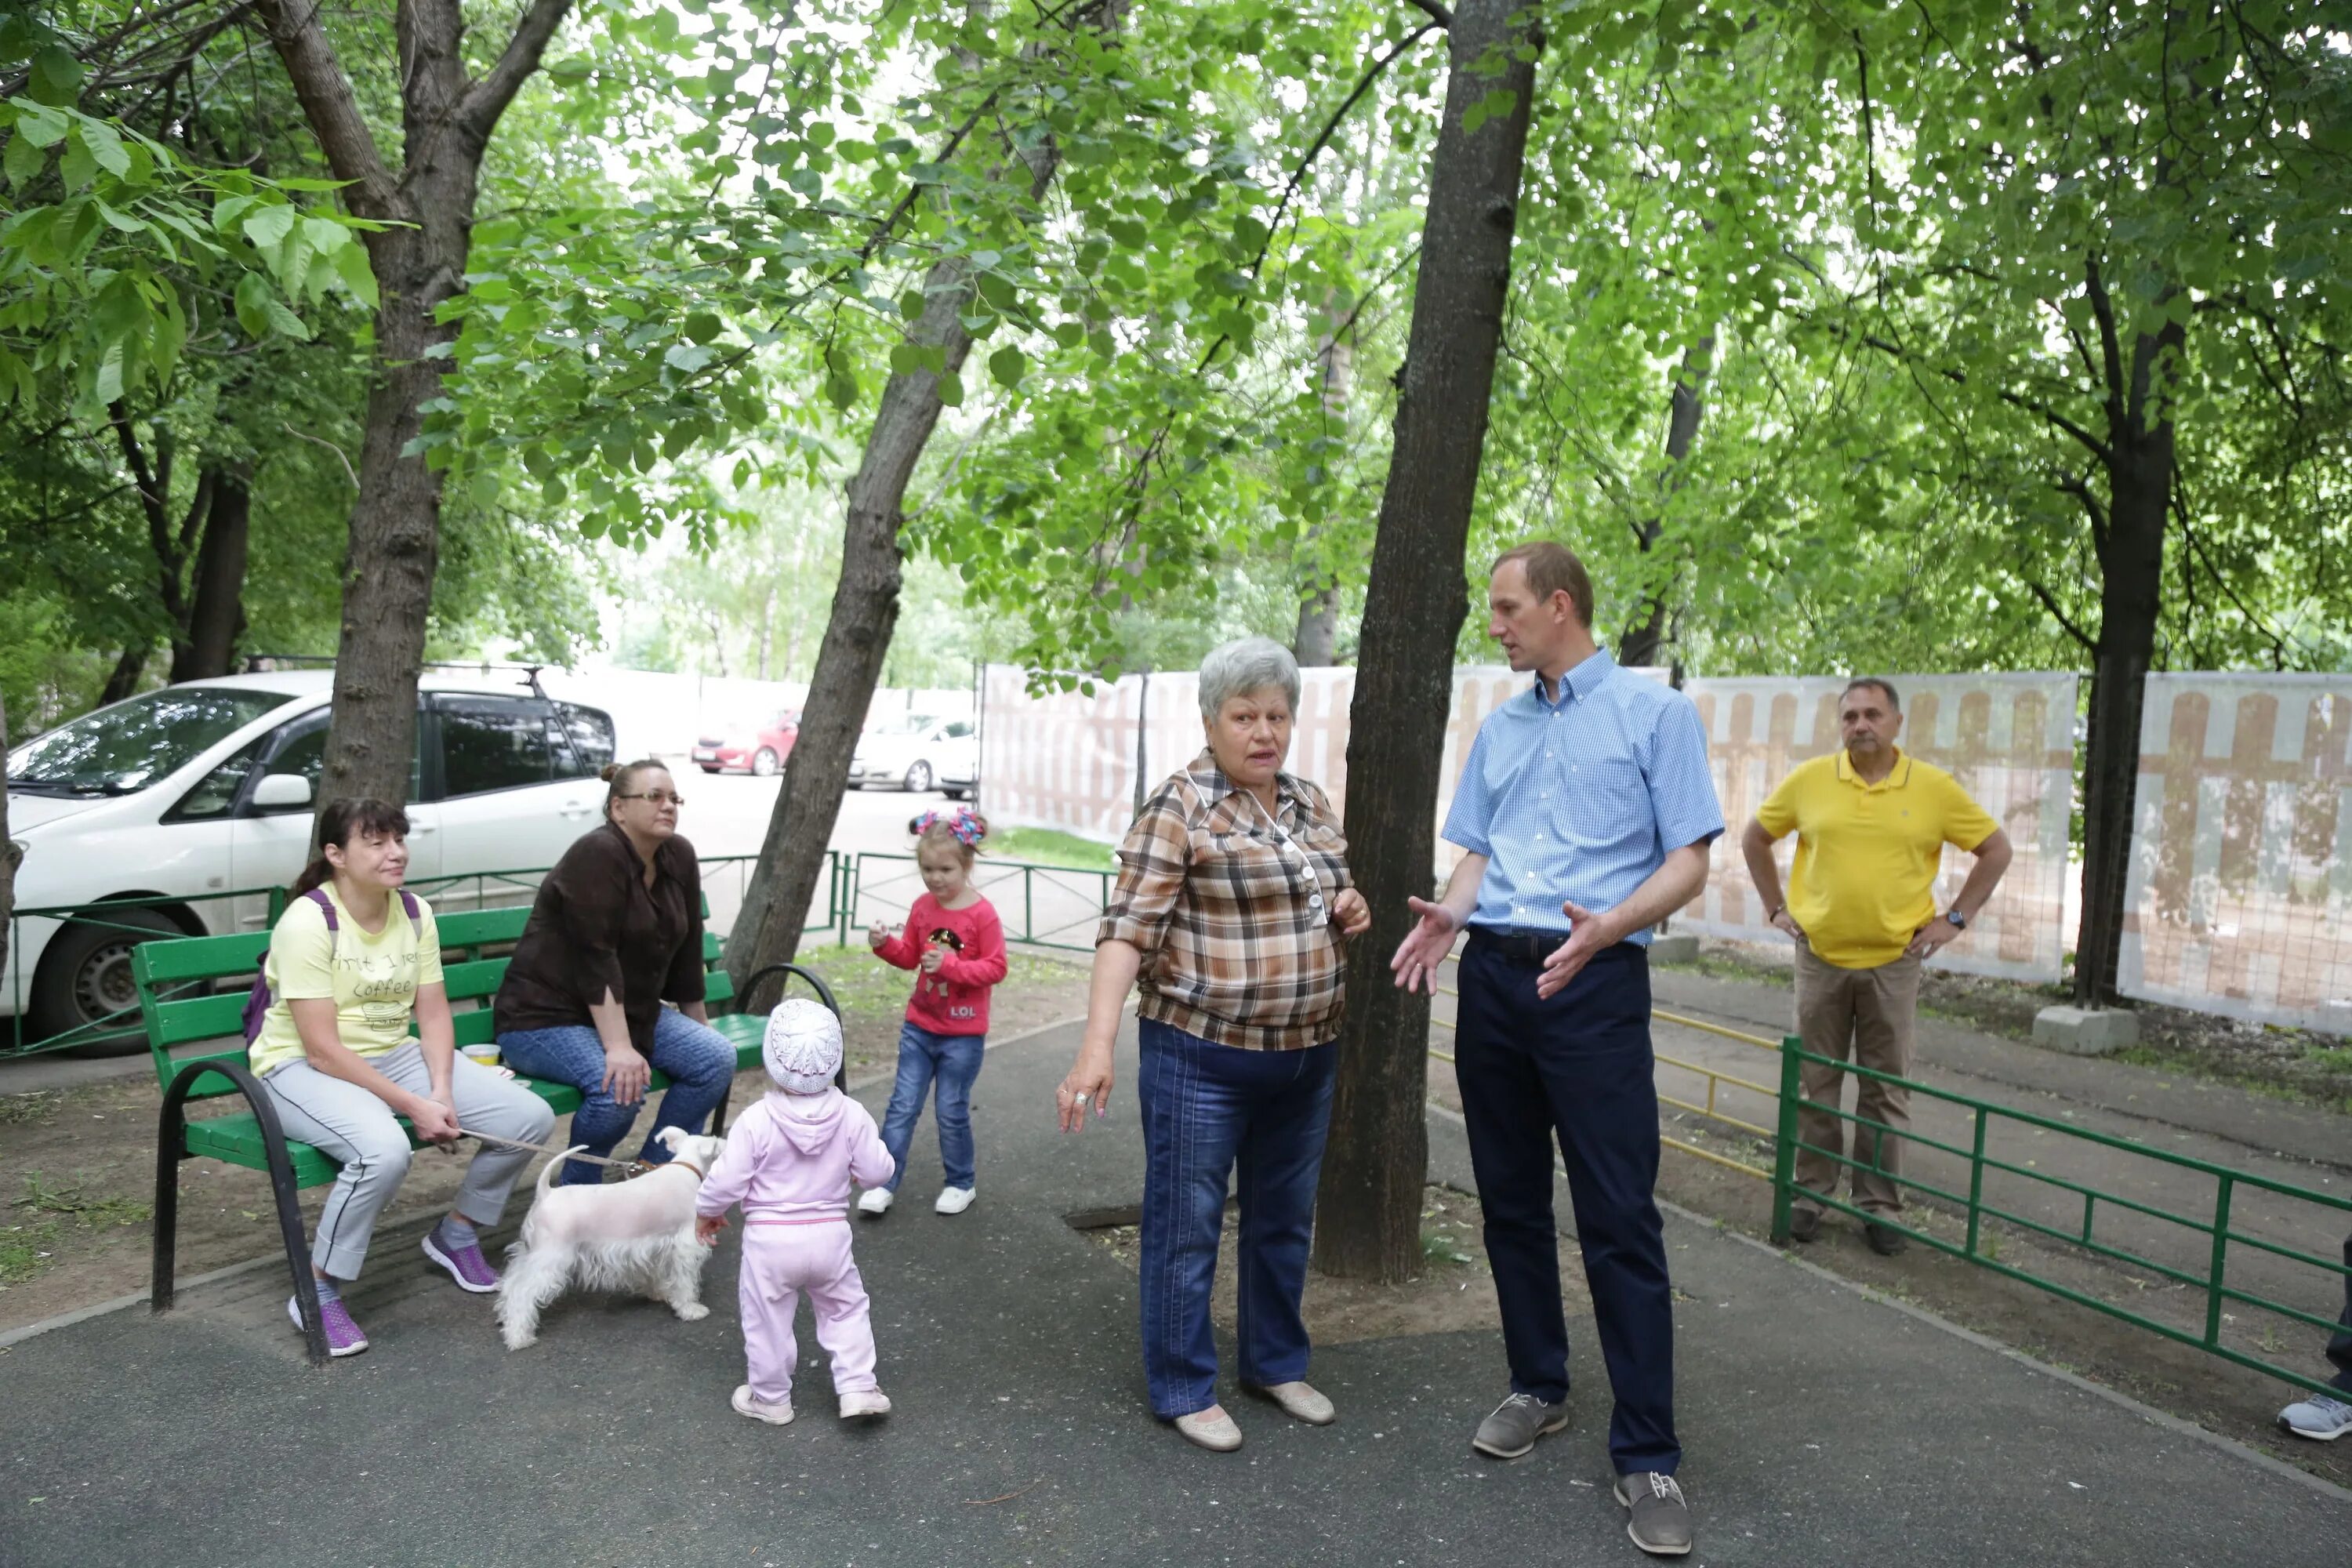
(467, 1266)
(343, 1336)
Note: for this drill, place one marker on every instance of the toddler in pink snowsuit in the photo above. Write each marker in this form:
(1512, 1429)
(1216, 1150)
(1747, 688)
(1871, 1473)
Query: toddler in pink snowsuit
(789, 1161)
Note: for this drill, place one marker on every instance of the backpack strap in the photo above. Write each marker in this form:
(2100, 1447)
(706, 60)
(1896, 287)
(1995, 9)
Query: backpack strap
(408, 903)
(327, 908)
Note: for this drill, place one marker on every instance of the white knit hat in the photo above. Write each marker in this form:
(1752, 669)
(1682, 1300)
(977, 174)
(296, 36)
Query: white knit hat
(802, 1047)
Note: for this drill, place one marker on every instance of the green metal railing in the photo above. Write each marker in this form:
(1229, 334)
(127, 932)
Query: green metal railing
(897, 880)
(2213, 1283)
(472, 890)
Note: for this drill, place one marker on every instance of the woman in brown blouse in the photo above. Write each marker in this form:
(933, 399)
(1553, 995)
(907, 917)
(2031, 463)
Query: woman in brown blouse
(615, 932)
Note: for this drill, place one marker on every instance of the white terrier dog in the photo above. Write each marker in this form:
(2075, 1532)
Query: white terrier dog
(636, 1235)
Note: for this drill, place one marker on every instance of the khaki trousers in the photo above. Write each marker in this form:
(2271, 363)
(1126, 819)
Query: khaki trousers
(1866, 1017)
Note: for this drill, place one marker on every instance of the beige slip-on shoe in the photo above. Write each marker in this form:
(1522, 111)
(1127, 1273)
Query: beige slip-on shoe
(1212, 1429)
(1300, 1402)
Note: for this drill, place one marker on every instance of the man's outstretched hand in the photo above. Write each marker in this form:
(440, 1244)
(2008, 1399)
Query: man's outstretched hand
(1587, 935)
(1426, 946)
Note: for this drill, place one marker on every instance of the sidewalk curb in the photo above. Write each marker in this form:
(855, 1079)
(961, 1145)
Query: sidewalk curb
(2169, 1422)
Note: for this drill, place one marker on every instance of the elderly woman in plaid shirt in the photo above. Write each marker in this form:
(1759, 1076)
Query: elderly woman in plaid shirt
(1232, 904)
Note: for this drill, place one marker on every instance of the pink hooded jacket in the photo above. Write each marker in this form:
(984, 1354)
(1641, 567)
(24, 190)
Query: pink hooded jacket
(793, 1156)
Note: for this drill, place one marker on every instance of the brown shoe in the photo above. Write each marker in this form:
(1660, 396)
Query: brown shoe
(1804, 1225)
(1884, 1239)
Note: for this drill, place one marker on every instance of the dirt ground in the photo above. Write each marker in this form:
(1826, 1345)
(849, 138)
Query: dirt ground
(2304, 1065)
(1454, 1290)
(78, 1166)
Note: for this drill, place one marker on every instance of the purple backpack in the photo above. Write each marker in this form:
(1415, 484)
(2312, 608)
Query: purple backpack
(257, 1001)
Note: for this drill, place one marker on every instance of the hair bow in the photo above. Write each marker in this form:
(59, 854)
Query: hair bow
(959, 822)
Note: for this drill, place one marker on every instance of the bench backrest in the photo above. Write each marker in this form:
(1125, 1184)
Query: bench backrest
(178, 1002)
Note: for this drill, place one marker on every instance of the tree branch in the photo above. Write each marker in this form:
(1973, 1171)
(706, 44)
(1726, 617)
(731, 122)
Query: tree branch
(488, 99)
(332, 109)
(2051, 604)
(1433, 11)
(1330, 129)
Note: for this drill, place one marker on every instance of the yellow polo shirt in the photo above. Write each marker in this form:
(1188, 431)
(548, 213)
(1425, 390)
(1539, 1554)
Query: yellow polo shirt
(1868, 853)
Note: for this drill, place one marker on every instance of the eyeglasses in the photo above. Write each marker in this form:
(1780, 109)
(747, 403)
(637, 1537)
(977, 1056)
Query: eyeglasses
(655, 795)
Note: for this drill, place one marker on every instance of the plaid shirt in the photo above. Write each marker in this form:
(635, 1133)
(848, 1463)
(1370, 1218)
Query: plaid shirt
(1232, 910)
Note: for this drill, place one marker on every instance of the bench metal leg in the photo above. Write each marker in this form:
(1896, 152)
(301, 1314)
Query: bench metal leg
(171, 1148)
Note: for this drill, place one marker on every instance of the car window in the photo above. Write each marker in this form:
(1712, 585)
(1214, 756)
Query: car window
(215, 793)
(591, 733)
(492, 743)
(130, 745)
(300, 748)
(959, 730)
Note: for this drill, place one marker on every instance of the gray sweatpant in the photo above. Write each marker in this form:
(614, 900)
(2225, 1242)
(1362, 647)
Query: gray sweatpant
(355, 1127)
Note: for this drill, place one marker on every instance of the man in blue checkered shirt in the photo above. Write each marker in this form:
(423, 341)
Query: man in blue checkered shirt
(1585, 813)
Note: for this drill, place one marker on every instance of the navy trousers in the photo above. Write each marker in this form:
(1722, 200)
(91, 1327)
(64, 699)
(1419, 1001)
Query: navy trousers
(1578, 1068)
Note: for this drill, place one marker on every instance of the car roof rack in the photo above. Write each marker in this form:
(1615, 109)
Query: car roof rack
(260, 662)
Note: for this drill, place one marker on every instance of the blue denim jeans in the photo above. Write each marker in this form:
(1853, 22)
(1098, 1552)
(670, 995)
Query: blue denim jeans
(1206, 1108)
(954, 1062)
(695, 1057)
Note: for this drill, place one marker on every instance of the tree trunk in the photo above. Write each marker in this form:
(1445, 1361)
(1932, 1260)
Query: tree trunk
(1647, 634)
(207, 645)
(856, 641)
(1369, 1209)
(419, 262)
(1315, 643)
(124, 680)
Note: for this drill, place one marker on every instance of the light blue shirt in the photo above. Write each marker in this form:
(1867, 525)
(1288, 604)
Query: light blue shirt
(1579, 800)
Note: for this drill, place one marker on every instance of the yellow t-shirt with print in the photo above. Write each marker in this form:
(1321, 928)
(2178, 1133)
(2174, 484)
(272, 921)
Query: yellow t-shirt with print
(372, 978)
(1867, 854)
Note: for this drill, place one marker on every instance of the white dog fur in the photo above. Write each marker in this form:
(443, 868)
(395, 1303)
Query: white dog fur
(636, 1235)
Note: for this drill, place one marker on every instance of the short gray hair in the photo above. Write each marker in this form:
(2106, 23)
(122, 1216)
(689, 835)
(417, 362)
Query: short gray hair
(1880, 684)
(1238, 669)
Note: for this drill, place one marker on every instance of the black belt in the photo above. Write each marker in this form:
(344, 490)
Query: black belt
(1528, 946)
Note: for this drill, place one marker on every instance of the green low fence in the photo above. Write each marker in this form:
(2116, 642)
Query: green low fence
(109, 1010)
(2213, 1224)
(1041, 905)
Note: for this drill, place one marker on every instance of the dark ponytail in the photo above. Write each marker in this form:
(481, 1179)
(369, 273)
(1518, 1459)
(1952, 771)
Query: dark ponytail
(343, 820)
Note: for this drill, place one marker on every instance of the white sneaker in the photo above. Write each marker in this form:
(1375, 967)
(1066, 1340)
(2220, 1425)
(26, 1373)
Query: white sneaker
(954, 1200)
(874, 1200)
(864, 1402)
(758, 1409)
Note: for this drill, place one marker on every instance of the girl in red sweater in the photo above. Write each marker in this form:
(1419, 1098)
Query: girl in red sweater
(953, 939)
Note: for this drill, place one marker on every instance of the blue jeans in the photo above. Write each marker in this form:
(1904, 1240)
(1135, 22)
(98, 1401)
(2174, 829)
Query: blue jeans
(1207, 1108)
(695, 1057)
(953, 1061)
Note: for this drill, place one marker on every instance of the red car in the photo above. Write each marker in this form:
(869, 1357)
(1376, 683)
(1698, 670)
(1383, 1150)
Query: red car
(763, 752)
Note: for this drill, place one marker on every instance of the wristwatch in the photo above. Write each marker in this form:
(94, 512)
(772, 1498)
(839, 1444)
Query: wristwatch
(1959, 921)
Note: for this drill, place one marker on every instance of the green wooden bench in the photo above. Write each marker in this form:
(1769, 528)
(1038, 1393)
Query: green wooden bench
(180, 1002)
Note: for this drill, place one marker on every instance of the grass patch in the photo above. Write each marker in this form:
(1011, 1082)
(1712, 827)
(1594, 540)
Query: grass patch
(17, 1109)
(32, 1244)
(864, 985)
(1048, 847)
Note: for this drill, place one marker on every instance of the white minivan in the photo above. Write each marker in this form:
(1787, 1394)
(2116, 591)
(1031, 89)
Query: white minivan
(209, 788)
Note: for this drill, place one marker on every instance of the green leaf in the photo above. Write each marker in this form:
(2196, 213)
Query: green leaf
(483, 487)
(253, 301)
(951, 390)
(41, 126)
(228, 209)
(269, 226)
(104, 146)
(78, 168)
(689, 357)
(906, 359)
(324, 235)
(701, 327)
(351, 267)
(24, 158)
(911, 303)
(109, 374)
(57, 75)
(1008, 365)
(121, 223)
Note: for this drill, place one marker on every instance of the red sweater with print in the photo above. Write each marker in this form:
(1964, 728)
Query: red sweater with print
(955, 1000)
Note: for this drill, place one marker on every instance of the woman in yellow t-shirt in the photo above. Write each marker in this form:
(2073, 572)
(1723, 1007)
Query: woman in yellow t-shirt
(351, 962)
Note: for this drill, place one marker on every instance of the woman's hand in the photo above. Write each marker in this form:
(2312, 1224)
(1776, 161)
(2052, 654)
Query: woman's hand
(1350, 913)
(1088, 1084)
(625, 1074)
(435, 1119)
(1426, 946)
(707, 1228)
(877, 936)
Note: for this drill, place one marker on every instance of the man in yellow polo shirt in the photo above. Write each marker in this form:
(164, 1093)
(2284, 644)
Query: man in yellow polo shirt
(1871, 826)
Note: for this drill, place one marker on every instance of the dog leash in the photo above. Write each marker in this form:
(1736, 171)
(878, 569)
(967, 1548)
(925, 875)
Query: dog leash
(638, 1166)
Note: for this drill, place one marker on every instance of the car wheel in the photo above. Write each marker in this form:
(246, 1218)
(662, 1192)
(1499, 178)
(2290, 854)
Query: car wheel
(766, 763)
(919, 778)
(85, 976)
(709, 767)
(955, 792)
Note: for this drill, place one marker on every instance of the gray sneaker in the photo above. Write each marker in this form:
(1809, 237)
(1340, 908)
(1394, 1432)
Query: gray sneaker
(1512, 1430)
(2318, 1417)
(1661, 1524)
